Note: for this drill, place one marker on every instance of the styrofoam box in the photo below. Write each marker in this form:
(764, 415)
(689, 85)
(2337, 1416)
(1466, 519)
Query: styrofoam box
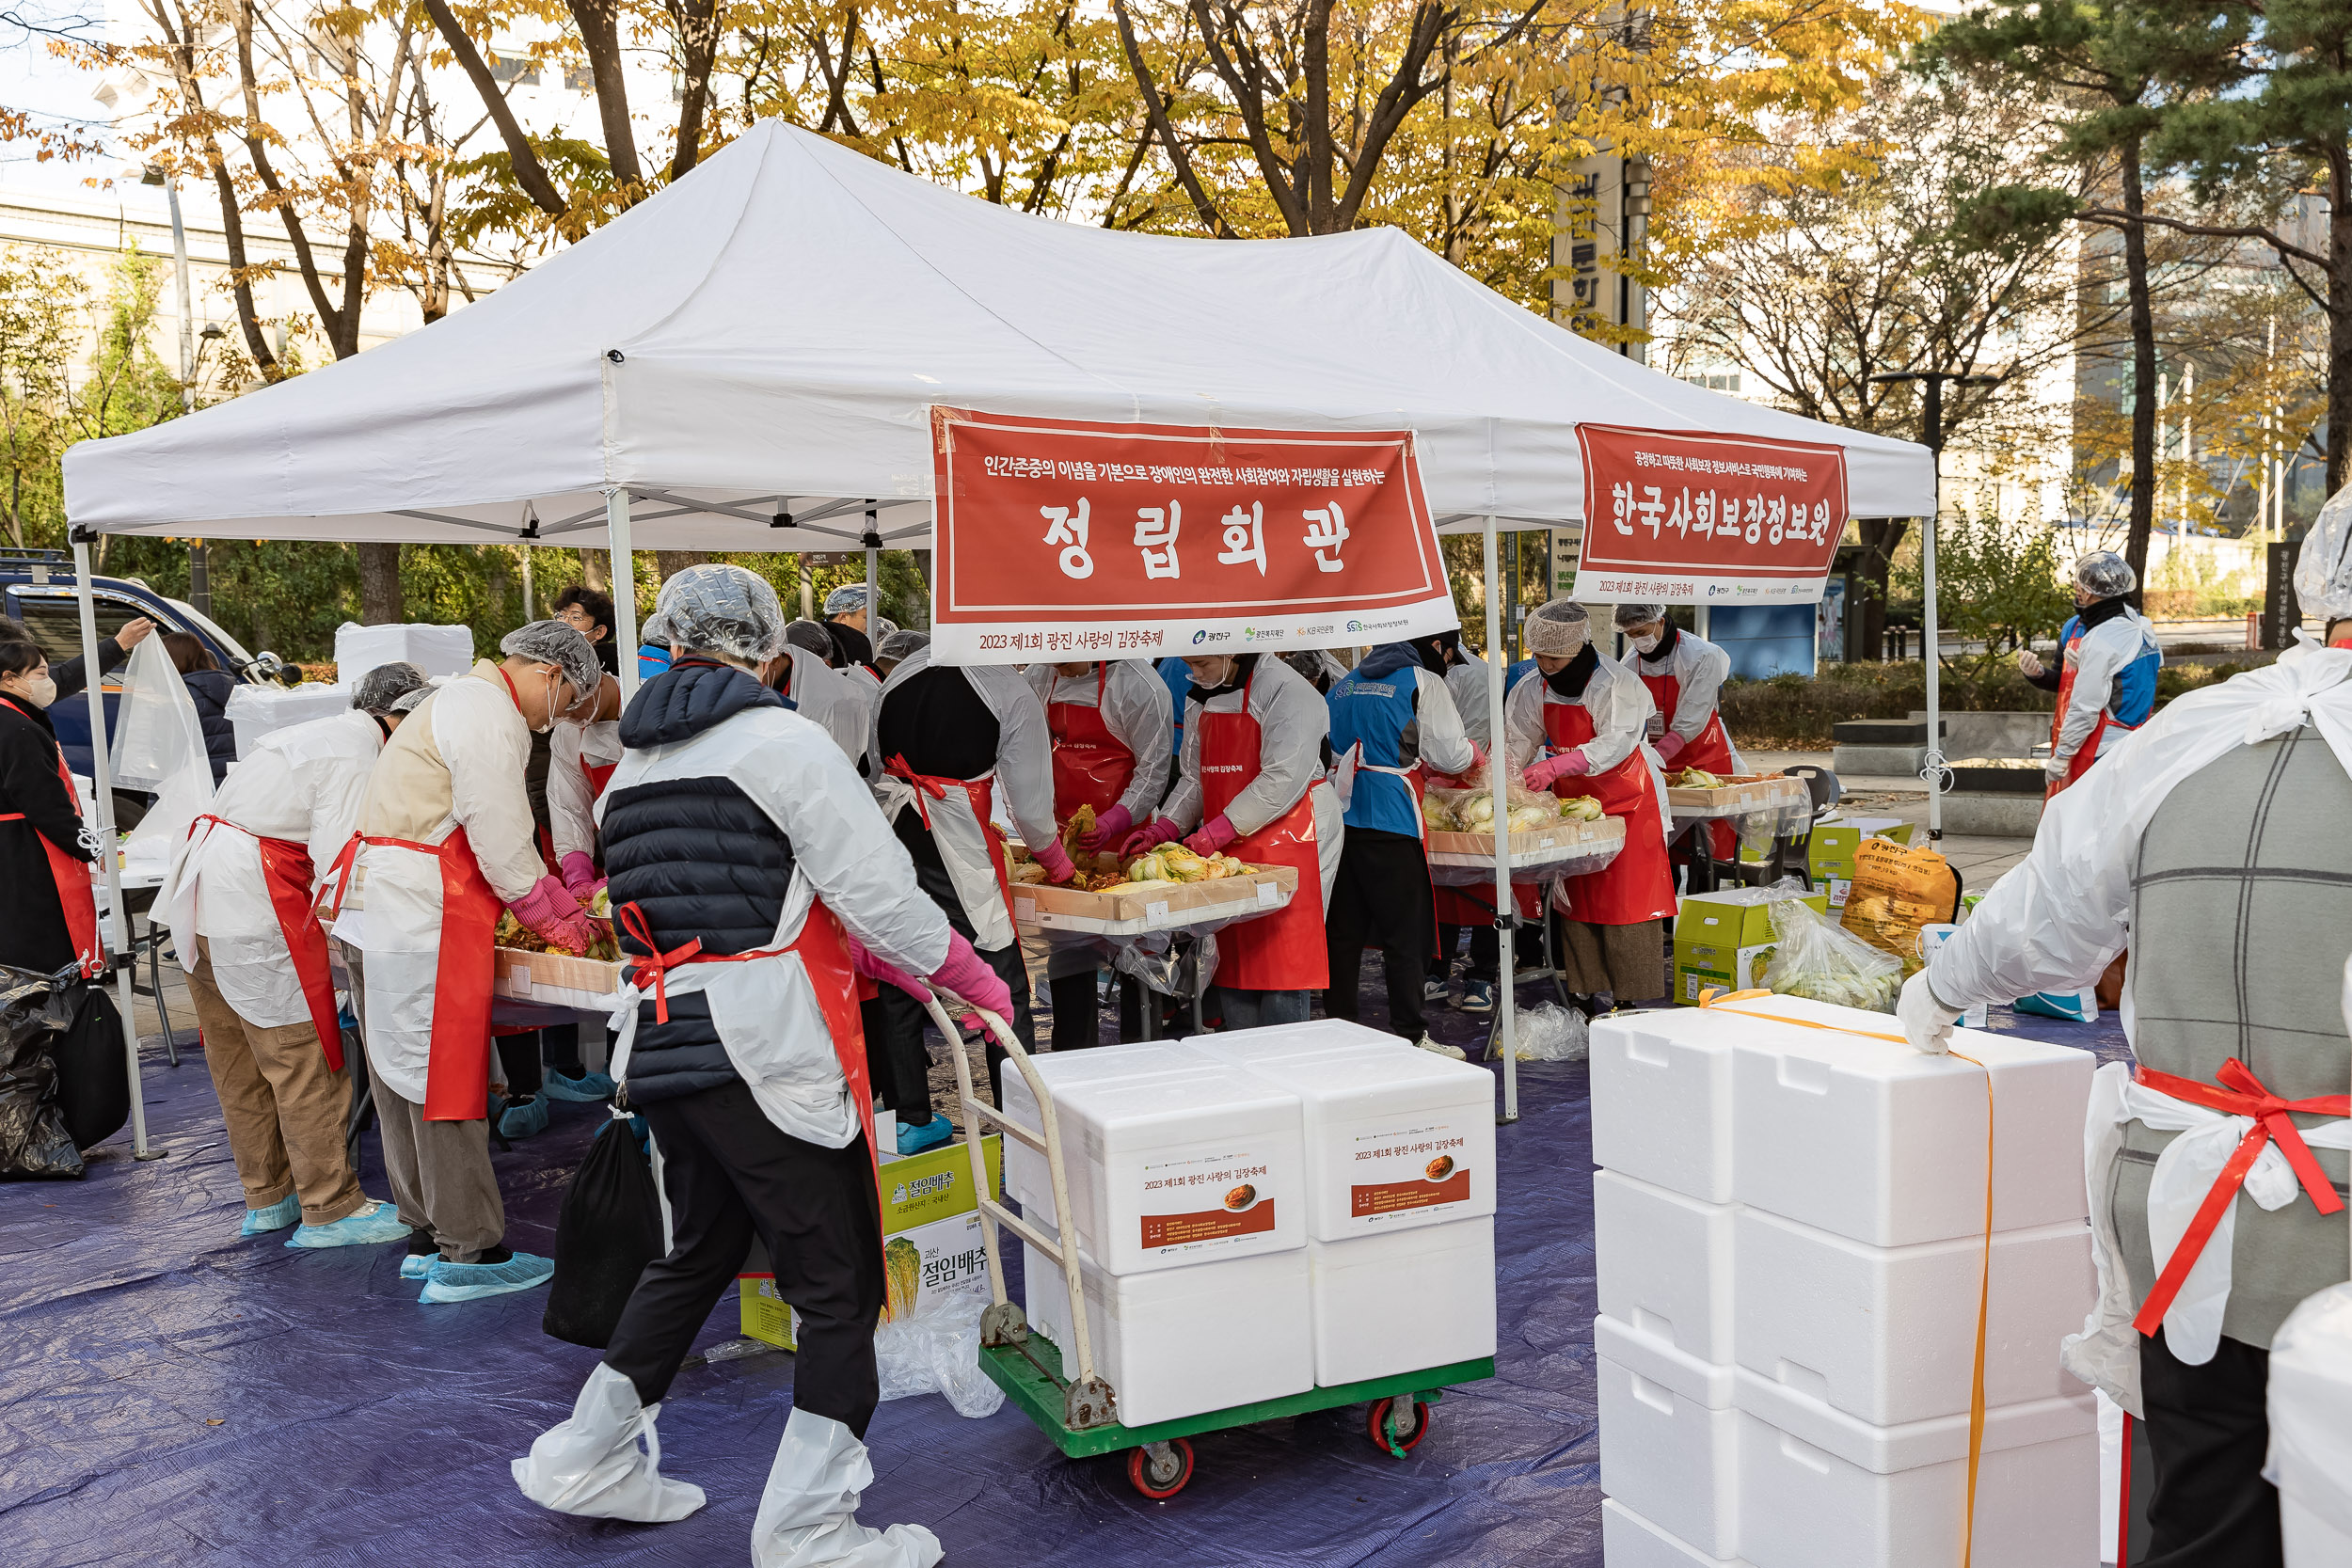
(1888, 1334)
(1662, 1261)
(1395, 1136)
(1171, 1158)
(2311, 1541)
(1669, 1435)
(1177, 1342)
(1661, 1098)
(2310, 1428)
(255, 711)
(1446, 1269)
(435, 650)
(1630, 1541)
(1821, 1489)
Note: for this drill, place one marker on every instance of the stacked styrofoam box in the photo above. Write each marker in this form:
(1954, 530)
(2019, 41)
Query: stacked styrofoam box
(435, 650)
(1399, 1180)
(2311, 1429)
(1789, 1228)
(256, 711)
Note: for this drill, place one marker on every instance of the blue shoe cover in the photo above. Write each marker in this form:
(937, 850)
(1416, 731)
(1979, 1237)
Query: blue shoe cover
(447, 1281)
(590, 1088)
(418, 1264)
(260, 1221)
(2074, 1006)
(365, 1227)
(913, 1140)
(524, 1118)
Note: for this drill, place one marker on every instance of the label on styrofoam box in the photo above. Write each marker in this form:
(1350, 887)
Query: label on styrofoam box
(1414, 1165)
(1189, 1204)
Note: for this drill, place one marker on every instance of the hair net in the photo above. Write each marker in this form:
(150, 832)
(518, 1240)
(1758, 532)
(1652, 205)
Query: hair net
(883, 626)
(655, 633)
(846, 600)
(1558, 630)
(901, 645)
(723, 609)
(1631, 616)
(2105, 574)
(411, 701)
(2323, 571)
(560, 643)
(380, 690)
(809, 635)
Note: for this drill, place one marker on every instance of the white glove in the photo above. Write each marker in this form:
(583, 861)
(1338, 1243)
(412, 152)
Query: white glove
(2028, 663)
(2055, 768)
(1927, 1022)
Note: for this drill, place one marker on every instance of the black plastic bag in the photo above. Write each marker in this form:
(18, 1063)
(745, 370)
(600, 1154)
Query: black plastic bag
(608, 1230)
(93, 1076)
(34, 1143)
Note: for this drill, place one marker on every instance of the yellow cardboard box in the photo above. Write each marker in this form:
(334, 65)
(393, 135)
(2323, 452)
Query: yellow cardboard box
(1719, 936)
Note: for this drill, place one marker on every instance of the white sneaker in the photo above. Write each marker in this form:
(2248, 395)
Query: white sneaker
(591, 1464)
(808, 1514)
(1439, 1048)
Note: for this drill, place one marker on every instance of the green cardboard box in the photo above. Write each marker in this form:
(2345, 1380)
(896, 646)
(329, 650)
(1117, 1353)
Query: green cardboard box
(1830, 852)
(1719, 937)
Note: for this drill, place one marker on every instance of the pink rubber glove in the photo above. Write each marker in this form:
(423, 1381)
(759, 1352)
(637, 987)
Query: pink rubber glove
(1670, 746)
(967, 974)
(864, 960)
(1151, 835)
(1477, 761)
(1056, 860)
(1540, 774)
(1215, 834)
(580, 874)
(1108, 826)
(551, 909)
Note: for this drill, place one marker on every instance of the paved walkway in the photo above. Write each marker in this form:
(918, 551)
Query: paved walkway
(1979, 861)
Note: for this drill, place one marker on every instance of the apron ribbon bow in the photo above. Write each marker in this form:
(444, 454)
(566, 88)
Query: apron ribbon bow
(655, 963)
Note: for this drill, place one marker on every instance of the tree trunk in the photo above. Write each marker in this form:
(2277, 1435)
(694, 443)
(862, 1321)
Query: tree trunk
(669, 563)
(2339, 314)
(2143, 513)
(592, 572)
(1881, 538)
(379, 585)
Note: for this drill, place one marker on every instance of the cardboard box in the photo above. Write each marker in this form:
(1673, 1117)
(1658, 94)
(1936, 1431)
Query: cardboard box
(1720, 938)
(556, 979)
(1739, 798)
(1156, 907)
(1830, 853)
(932, 1241)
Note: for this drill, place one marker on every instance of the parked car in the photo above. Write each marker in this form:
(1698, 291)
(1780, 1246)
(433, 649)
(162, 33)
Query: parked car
(39, 588)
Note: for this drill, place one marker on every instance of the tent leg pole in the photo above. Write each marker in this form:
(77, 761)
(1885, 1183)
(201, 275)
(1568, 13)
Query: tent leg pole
(103, 806)
(1933, 771)
(529, 613)
(873, 568)
(1498, 773)
(624, 585)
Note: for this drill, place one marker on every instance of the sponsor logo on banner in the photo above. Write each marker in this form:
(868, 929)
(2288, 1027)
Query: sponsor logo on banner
(1685, 516)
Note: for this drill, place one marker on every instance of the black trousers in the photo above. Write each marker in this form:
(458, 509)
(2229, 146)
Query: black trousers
(730, 1173)
(1380, 899)
(2208, 1429)
(1077, 1012)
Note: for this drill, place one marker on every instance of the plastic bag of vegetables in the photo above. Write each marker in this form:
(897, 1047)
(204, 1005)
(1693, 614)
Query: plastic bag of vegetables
(1814, 958)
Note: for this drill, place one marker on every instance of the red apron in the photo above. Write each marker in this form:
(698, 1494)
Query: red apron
(286, 872)
(457, 1065)
(1285, 950)
(1637, 885)
(600, 774)
(2080, 762)
(1462, 905)
(1711, 752)
(1091, 766)
(74, 894)
(981, 795)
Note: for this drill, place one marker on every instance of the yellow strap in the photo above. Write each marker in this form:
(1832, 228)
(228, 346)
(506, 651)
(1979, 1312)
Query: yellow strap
(1716, 998)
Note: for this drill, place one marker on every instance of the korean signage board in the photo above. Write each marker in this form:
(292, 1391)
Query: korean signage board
(1062, 539)
(1690, 518)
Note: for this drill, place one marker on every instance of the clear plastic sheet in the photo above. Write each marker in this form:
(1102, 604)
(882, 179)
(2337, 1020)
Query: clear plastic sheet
(937, 1351)
(1813, 957)
(1551, 1034)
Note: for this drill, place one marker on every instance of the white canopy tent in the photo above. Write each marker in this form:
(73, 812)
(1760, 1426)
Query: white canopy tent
(746, 363)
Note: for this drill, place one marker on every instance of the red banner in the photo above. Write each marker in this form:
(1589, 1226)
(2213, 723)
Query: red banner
(1065, 539)
(1707, 519)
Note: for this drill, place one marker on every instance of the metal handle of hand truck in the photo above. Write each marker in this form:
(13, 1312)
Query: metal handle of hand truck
(1089, 1401)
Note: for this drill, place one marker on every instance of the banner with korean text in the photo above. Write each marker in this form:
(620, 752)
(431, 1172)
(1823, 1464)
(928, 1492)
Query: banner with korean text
(1066, 540)
(1684, 519)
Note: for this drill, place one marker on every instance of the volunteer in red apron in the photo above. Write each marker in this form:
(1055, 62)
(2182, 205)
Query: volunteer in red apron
(444, 840)
(48, 913)
(750, 866)
(1458, 908)
(1685, 675)
(2218, 1160)
(1393, 723)
(953, 749)
(239, 898)
(2107, 677)
(1577, 730)
(1113, 729)
(1252, 775)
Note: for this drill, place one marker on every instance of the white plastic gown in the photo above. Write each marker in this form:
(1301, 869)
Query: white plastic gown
(1022, 790)
(839, 702)
(2101, 655)
(1136, 710)
(2059, 917)
(1620, 706)
(303, 785)
(572, 749)
(765, 1010)
(1701, 668)
(1294, 722)
(1466, 683)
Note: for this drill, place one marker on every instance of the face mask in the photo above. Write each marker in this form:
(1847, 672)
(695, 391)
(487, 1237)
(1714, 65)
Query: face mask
(1644, 644)
(553, 681)
(40, 690)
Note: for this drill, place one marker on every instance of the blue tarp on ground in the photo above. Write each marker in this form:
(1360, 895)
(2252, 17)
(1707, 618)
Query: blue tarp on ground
(171, 1394)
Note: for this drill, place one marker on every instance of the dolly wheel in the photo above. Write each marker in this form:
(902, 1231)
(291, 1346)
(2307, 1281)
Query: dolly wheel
(1389, 1433)
(1160, 1470)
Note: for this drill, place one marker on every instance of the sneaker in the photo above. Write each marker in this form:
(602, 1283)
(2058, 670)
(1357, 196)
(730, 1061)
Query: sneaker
(523, 1119)
(1478, 996)
(446, 1281)
(260, 1222)
(1434, 989)
(1439, 1048)
(590, 1088)
(913, 1140)
(366, 1226)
